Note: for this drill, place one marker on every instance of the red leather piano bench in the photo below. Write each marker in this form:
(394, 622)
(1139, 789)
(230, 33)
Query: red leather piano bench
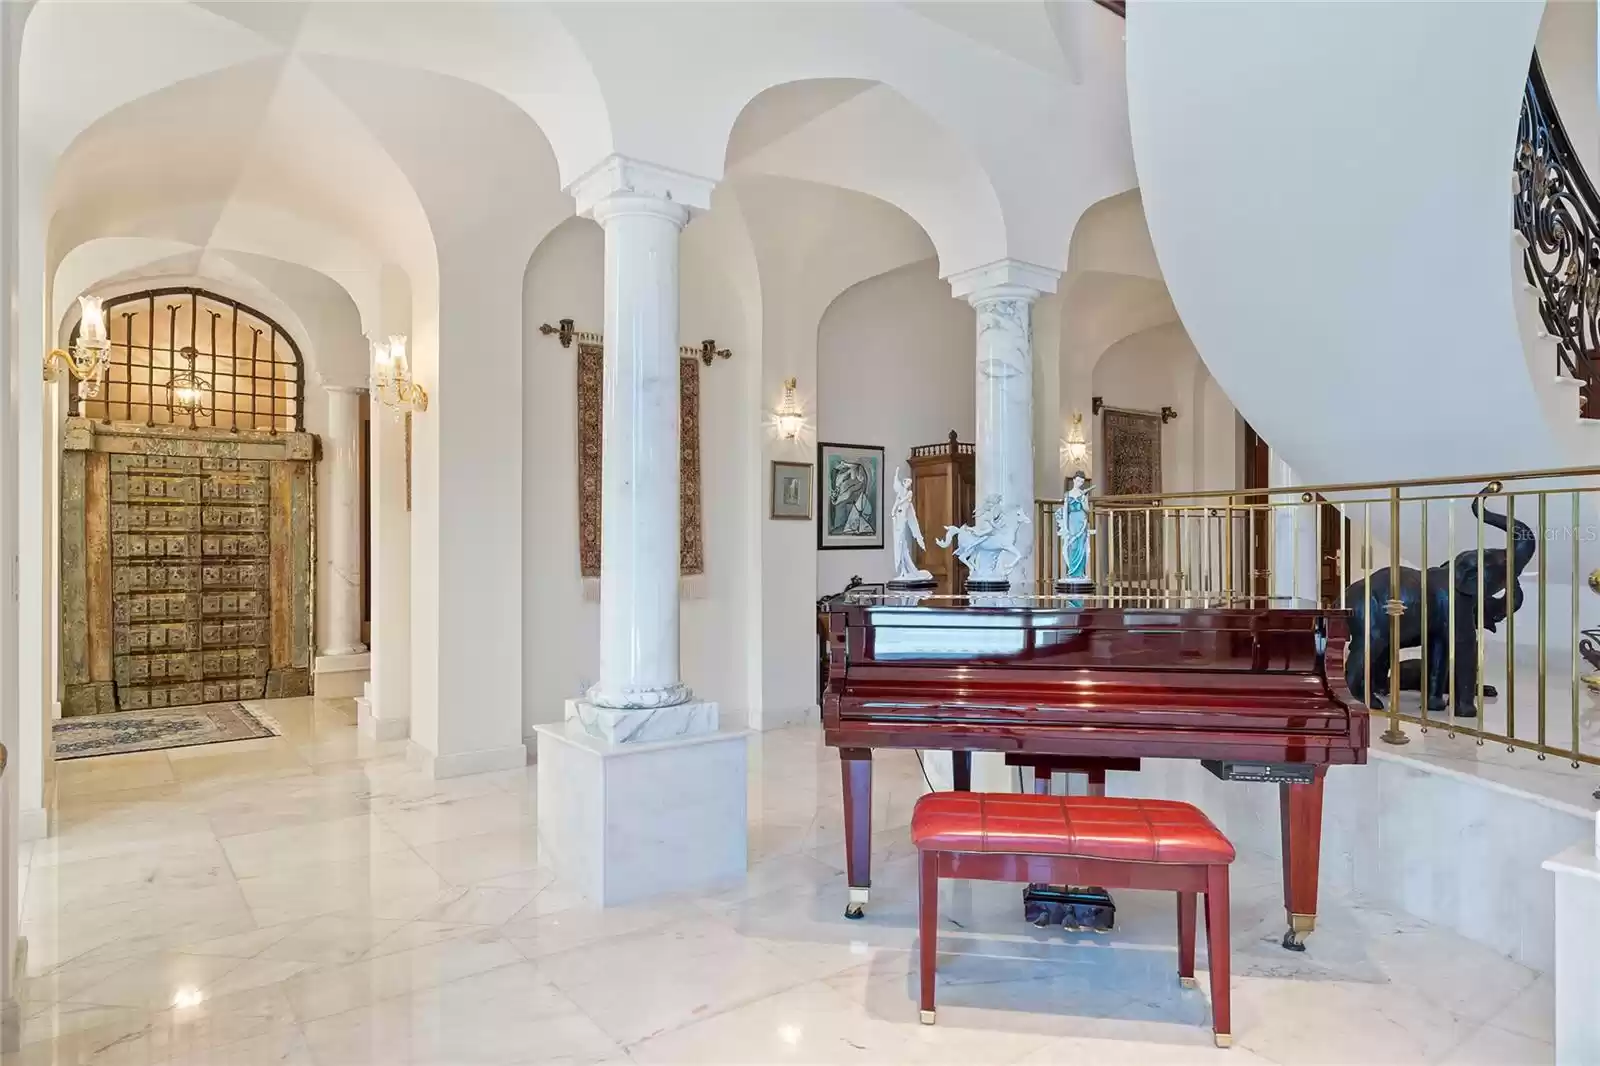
(1079, 840)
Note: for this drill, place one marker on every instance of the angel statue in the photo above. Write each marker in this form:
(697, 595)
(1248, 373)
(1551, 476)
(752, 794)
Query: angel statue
(1072, 528)
(995, 542)
(904, 516)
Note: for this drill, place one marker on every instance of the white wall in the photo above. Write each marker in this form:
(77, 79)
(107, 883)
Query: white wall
(1158, 368)
(565, 279)
(895, 368)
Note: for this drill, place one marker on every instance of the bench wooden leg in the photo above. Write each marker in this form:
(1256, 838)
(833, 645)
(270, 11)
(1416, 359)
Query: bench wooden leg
(1186, 913)
(1218, 952)
(928, 930)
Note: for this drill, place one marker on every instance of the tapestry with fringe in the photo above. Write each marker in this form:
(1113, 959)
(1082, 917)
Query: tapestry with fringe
(591, 372)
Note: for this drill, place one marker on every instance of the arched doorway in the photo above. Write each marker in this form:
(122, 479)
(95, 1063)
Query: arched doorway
(187, 512)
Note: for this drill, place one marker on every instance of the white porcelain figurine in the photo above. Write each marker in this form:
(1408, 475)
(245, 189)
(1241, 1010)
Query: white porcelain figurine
(992, 546)
(906, 529)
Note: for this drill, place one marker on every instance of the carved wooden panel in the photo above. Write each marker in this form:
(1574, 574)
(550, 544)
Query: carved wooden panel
(1133, 468)
(195, 585)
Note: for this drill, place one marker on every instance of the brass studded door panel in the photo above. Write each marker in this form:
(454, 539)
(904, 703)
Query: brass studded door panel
(190, 565)
(186, 567)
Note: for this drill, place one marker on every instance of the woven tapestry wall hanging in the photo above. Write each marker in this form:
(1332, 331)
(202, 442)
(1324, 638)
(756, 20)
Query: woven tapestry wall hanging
(591, 373)
(1133, 468)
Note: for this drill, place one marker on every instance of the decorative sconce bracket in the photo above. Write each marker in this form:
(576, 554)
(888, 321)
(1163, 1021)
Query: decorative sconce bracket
(1096, 404)
(1168, 414)
(565, 331)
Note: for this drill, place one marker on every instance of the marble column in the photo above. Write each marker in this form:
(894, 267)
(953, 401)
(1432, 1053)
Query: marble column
(1003, 294)
(639, 695)
(640, 792)
(343, 521)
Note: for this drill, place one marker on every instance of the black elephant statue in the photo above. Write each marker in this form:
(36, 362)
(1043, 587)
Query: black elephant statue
(1430, 592)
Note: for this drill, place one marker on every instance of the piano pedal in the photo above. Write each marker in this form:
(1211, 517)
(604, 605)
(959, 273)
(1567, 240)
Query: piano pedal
(1075, 909)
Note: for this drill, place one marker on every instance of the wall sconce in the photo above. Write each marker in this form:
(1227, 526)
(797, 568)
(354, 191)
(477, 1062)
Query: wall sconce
(1075, 449)
(87, 359)
(391, 376)
(789, 417)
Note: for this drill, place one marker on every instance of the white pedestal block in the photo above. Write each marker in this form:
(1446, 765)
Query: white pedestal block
(336, 676)
(622, 822)
(373, 725)
(1577, 971)
(636, 725)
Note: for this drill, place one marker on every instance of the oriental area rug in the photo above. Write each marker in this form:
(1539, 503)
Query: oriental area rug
(121, 732)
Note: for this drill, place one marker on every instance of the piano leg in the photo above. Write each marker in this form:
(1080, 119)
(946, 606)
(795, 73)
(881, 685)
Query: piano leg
(856, 763)
(961, 771)
(1300, 810)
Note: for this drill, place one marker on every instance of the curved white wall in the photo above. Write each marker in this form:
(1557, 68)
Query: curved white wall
(1327, 187)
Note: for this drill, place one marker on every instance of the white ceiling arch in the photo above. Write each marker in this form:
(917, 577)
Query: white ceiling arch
(834, 132)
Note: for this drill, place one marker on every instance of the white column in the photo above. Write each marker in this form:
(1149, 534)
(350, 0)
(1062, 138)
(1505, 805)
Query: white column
(1002, 294)
(639, 695)
(623, 820)
(343, 522)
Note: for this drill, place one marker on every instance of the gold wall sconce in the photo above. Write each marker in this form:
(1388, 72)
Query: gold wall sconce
(87, 359)
(1075, 448)
(392, 382)
(790, 417)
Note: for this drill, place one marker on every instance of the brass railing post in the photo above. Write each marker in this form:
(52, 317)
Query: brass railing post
(1396, 608)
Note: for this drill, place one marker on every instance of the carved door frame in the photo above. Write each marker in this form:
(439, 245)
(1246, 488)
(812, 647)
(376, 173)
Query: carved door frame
(87, 598)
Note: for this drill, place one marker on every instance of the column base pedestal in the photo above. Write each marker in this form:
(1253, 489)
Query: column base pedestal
(625, 822)
(341, 675)
(636, 725)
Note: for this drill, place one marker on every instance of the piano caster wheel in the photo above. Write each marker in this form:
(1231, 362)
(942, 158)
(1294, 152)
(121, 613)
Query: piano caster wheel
(1223, 1039)
(857, 907)
(1188, 982)
(1300, 926)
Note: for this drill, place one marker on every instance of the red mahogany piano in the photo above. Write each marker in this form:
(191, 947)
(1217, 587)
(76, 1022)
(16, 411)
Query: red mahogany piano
(1252, 687)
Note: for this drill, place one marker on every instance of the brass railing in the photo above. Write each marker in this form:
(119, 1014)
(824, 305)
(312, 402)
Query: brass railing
(1337, 545)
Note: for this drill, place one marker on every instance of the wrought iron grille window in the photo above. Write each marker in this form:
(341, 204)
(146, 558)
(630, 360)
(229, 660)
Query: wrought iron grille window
(188, 357)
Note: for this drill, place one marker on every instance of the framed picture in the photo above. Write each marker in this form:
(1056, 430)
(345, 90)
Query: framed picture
(791, 490)
(851, 496)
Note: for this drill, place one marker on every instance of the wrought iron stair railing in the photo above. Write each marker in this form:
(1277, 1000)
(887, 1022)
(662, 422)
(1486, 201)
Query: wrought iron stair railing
(1557, 211)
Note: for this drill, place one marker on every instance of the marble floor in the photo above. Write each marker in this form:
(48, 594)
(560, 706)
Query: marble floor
(309, 899)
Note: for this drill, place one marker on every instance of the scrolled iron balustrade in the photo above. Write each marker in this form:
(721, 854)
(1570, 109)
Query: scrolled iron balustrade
(1557, 211)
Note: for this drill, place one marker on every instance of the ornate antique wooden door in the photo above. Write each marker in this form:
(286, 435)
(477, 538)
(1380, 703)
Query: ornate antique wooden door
(190, 579)
(186, 566)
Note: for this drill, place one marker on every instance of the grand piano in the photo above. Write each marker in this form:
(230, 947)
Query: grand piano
(1253, 687)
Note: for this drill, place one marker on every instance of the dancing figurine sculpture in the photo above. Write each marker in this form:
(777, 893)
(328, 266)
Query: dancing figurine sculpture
(995, 542)
(907, 575)
(1073, 528)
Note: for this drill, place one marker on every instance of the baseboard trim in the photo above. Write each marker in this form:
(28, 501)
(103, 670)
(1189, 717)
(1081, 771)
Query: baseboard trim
(376, 728)
(464, 763)
(33, 824)
(769, 718)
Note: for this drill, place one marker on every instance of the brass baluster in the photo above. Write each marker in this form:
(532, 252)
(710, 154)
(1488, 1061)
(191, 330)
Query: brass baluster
(1427, 505)
(1478, 696)
(1227, 551)
(1577, 518)
(1366, 596)
(1511, 621)
(1344, 557)
(1396, 608)
(1450, 585)
(1543, 618)
(1294, 555)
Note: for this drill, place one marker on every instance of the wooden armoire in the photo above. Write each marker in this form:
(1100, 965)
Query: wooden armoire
(944, 495)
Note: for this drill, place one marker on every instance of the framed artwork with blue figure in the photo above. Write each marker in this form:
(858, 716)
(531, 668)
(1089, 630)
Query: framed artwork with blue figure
(850, 489)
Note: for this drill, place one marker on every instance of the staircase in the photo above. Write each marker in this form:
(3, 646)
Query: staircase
(1337, 236)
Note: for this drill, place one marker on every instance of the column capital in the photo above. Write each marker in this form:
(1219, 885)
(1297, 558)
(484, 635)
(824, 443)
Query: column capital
(619, 177)
(1003, 279)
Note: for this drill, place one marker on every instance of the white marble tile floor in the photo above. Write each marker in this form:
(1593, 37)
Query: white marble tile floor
(309, 900)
